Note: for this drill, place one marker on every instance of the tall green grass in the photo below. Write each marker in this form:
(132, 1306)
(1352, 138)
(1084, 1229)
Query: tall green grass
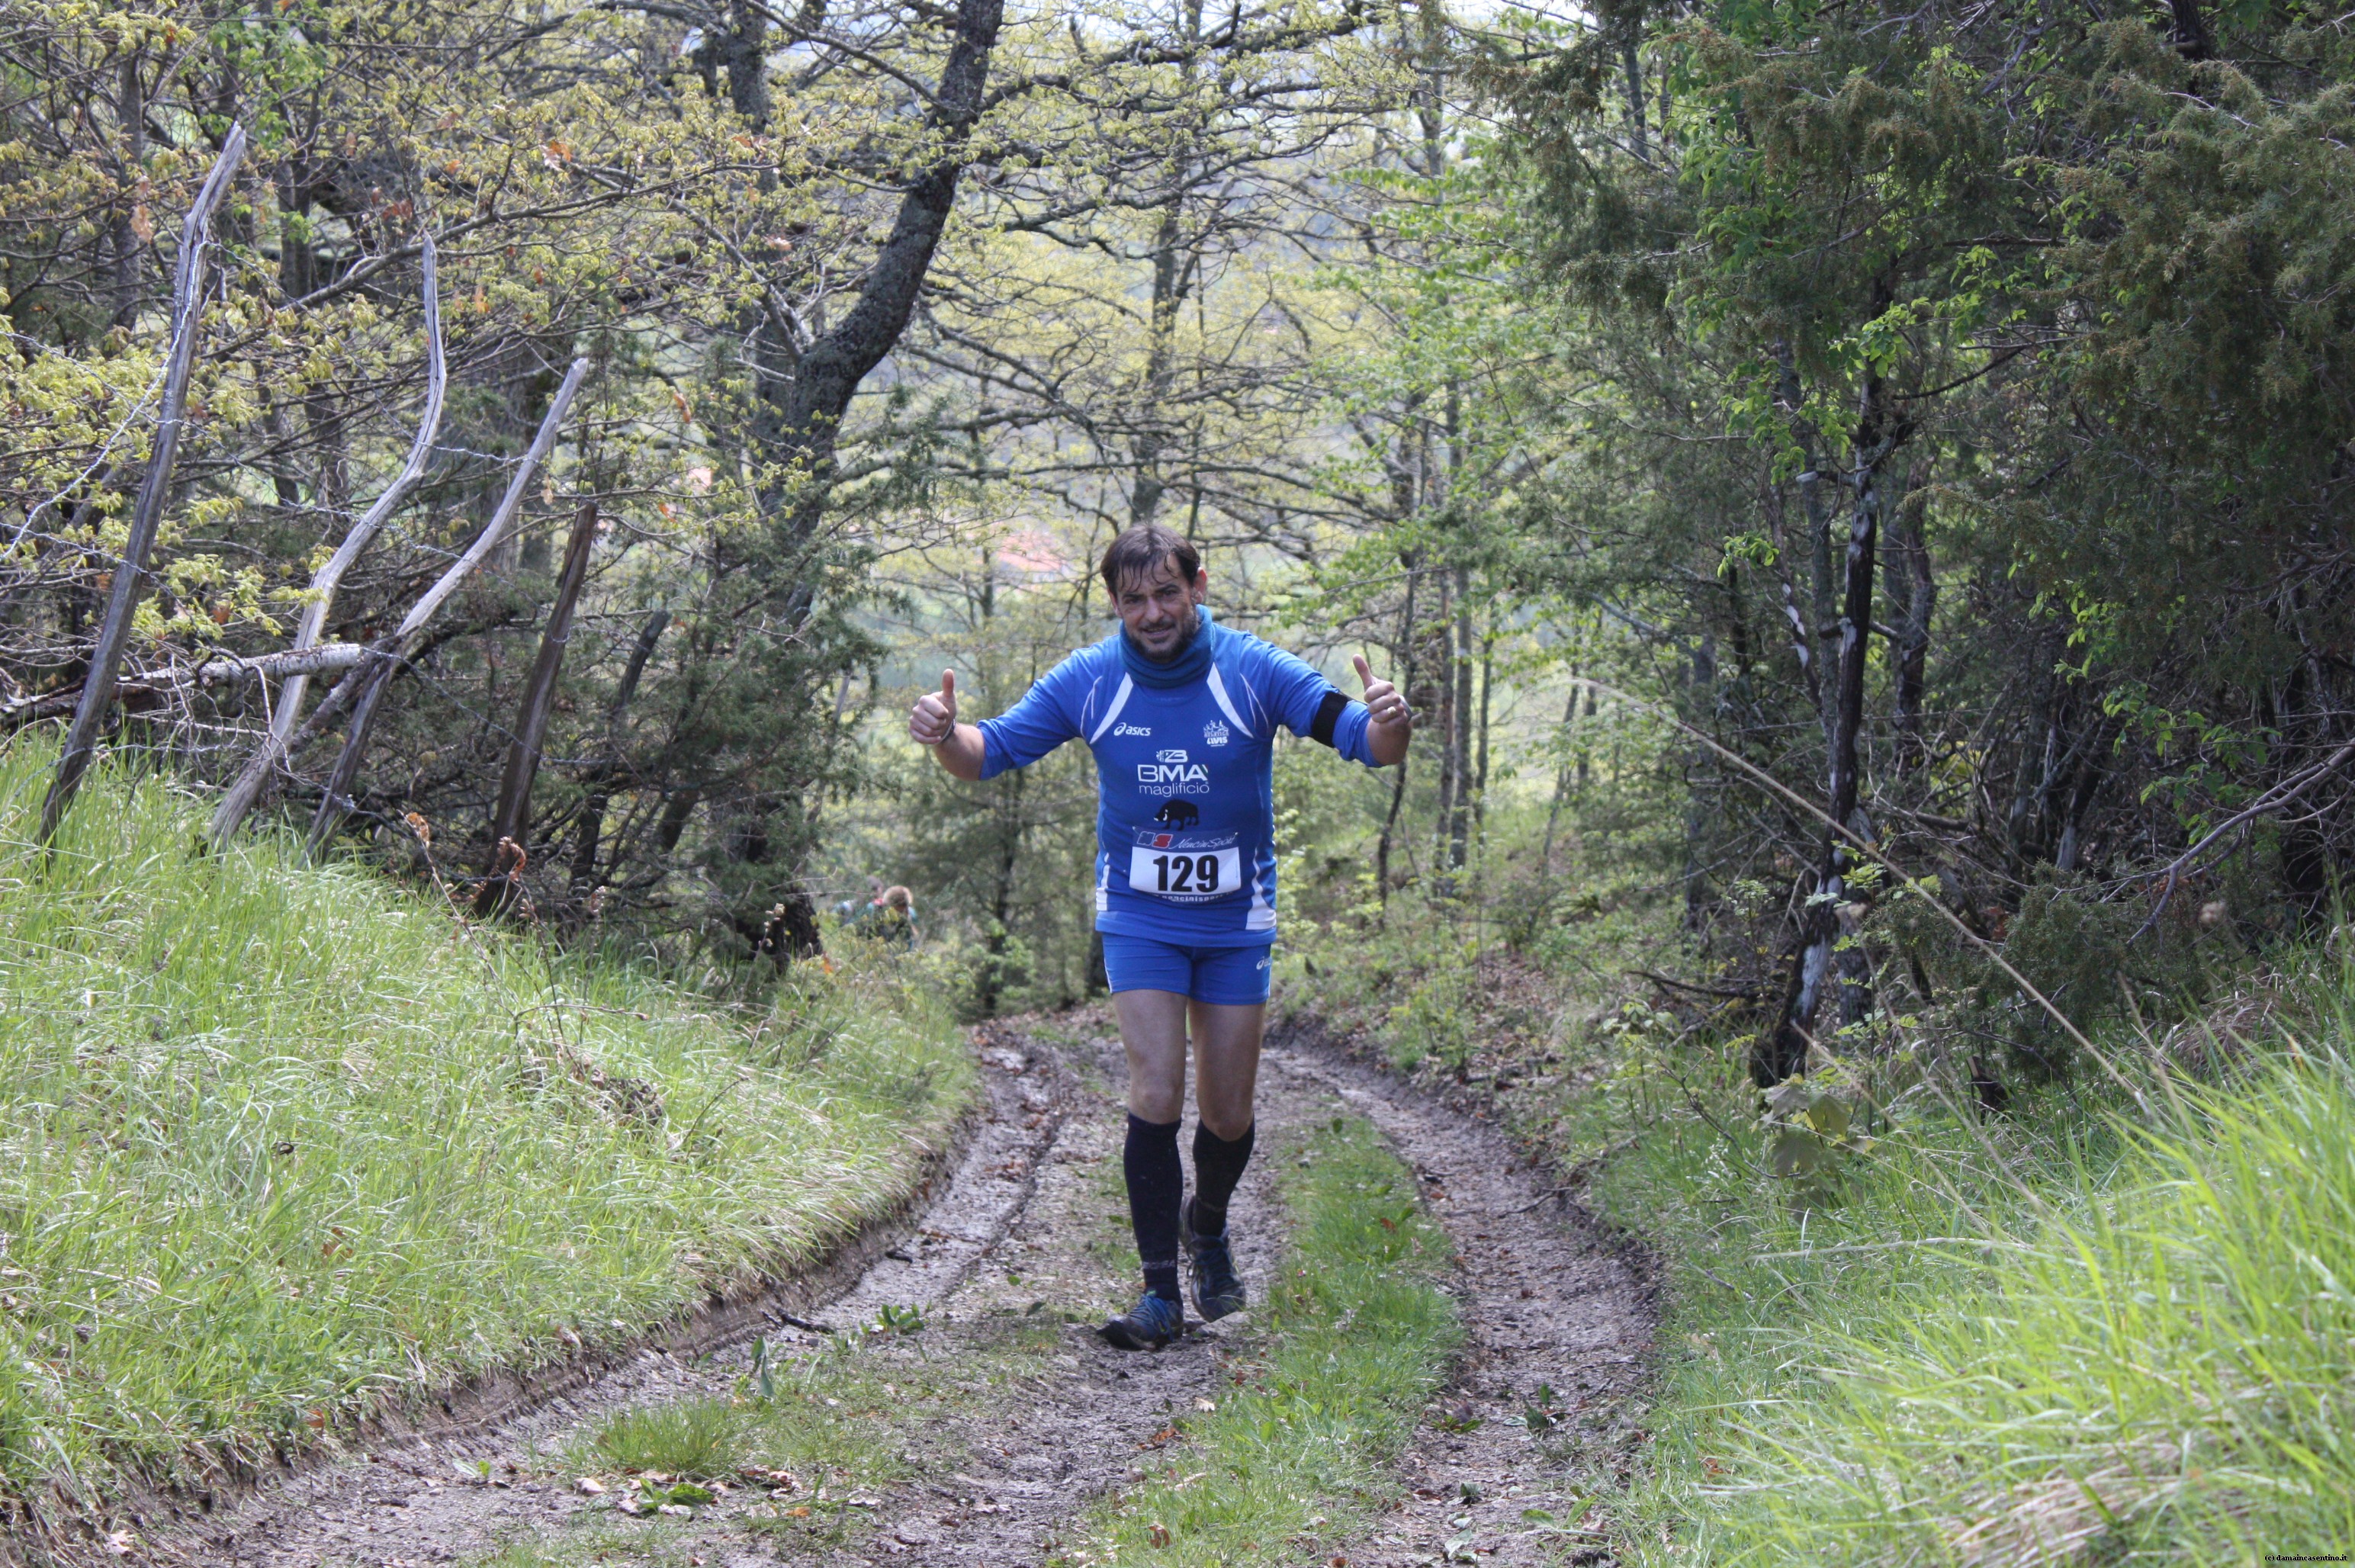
(2087, 1333)
(282, 1140)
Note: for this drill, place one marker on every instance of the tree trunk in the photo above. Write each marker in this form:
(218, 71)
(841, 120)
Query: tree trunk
(677, 810)
(1633, 70)
(808, 408)
(1151, 439)
(1398, 784)
(1701, 704)
(1913, 551)
(2188, 30)
(1820, 960)
(743, 48)
(1459, 822)
(1172, 271)
(1444, 657)
(1480, 764)
(991, 984)
(590, 828)
(1815, 628)
(1561, 794)
(131, 110)
(801, 391)
(511, 818)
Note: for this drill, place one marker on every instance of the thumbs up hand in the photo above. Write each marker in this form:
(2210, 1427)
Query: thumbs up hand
(933, 719)
(1384, 707)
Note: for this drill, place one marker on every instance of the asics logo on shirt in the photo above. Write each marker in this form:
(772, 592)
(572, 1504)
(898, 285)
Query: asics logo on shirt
(1131, 730)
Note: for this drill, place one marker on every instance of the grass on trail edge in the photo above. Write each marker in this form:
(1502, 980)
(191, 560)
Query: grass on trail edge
(284, 1141)
(1356, 1337)
(2088, 1330)
(2081, 1334)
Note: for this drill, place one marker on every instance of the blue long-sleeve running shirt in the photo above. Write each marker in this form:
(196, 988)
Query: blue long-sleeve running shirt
(1185, 820)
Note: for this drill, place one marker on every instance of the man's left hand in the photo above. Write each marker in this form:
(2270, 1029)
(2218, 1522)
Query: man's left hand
(1386, 712)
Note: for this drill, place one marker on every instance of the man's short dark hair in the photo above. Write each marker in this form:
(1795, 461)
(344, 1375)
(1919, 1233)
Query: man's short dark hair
(1137, 553)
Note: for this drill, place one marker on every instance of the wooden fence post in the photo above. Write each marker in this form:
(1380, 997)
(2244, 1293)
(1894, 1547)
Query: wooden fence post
(147, 512)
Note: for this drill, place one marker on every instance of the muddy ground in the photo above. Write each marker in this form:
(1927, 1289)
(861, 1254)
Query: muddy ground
(979, 1412)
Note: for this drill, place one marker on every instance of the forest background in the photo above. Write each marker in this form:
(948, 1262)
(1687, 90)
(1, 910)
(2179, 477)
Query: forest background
(1935, 413)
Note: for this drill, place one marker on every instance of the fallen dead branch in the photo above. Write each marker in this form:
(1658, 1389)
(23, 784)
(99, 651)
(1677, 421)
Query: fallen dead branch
(360, 691)
(251, 779)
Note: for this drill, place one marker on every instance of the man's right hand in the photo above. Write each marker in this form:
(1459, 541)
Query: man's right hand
(933, 719)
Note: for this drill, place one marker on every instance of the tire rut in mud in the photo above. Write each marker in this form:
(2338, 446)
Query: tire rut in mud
(437, 1498)
(1019, 1246)
(1556, 1323)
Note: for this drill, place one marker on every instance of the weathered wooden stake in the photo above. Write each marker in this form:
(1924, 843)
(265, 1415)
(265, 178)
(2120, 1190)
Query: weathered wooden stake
(147, 512)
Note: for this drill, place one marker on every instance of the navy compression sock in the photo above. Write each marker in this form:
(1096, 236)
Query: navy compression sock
(1156, 1183)
(1218, 1165)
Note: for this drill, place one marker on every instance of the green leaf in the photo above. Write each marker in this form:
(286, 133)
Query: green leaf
(1796, 1153)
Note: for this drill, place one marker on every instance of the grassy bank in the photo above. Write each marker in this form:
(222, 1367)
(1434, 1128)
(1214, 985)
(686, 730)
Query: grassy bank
(1356, 1337)
(2097, 1328)
(283, 1140)
(2129, 1340)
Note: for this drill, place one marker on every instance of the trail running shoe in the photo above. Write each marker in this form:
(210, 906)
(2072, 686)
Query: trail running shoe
(1151, 1323)
(1218, 1288)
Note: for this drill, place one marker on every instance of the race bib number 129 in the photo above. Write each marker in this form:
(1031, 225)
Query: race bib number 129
(1185, 873)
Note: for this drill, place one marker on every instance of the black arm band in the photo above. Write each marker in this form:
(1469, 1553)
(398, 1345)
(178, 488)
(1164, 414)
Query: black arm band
(1328, 713)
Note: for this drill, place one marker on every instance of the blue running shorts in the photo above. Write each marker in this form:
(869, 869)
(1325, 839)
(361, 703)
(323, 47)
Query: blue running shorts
(1222, 976)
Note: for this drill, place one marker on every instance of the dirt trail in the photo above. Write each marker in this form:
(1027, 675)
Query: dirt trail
(1009, 1267)
(431, 1499)
(1556, 1324)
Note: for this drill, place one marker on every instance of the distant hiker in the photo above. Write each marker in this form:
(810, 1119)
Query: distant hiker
(1180, 713)
(894, 923)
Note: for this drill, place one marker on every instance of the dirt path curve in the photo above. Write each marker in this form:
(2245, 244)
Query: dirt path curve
(1026, 1414)
(1556, 1323)
(431, 1499)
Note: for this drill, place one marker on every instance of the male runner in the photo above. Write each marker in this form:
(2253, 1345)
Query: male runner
(1180, 713)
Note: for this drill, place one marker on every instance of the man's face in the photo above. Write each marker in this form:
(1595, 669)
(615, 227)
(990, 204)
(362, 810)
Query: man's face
(1158, 610)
